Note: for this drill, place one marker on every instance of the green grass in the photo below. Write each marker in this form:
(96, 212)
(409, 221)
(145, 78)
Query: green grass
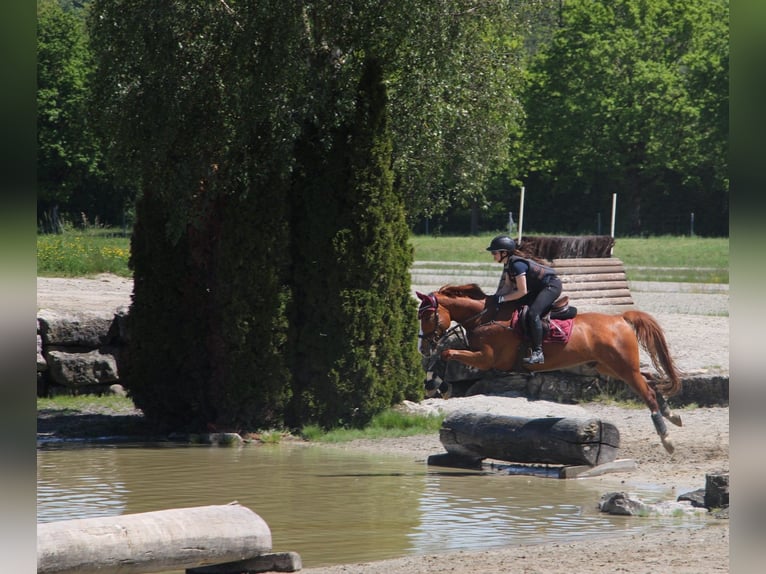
(388, 424)
(93, 404)
(82, 253)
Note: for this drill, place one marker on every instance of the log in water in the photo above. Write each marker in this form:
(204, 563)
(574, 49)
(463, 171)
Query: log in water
(159, 541)
(551, 440)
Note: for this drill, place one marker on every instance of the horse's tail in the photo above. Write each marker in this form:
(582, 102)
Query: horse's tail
(652, 338)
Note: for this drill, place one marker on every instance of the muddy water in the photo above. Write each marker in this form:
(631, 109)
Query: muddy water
(328, 505)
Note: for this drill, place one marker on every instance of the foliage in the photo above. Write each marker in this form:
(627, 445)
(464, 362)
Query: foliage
(72, 179)
(265, 186)
(456, 86)
(349, 216)
(197, 102)
(64, 154)
(630, 97)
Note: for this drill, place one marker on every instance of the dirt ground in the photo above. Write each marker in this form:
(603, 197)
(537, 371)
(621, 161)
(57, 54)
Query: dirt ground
(698, 335)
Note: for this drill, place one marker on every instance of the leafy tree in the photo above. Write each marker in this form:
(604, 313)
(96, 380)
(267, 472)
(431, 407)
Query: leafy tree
(198, 101)
(66, 155)
(456, 94)
(631, 97)
(72, 179)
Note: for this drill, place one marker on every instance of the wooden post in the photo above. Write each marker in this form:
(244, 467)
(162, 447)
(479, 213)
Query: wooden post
(159, 541)
(551, 440)
(521, 213)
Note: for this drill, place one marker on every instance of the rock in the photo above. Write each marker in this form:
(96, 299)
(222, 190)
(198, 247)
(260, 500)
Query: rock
(717, 490)
(621, 503)
(73, 369)
(75, 329)
(117, 390)
(695, 497)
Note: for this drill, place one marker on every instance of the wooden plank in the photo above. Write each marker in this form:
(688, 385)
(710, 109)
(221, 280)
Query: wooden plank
(268, 562)
(588, 270)
(604, 301)
(586, 262)
(588, 277)
(594, 286)
(594, 294)
(584, 471)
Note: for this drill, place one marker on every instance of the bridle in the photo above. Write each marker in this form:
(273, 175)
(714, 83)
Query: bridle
(430, 304)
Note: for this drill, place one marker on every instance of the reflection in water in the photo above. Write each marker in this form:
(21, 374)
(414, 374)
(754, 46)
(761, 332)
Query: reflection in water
(328, 505)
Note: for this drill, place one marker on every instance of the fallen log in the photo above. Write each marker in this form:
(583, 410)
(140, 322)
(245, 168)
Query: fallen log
(160, 541)
(551, 440)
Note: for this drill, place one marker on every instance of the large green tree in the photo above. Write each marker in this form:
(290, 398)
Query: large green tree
(270, 252)
(73, 182)
(197, 103)
(66, 155)
(456, 100)
(631, 97)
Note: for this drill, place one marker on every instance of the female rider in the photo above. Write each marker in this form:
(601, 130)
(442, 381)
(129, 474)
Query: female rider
(529, 282)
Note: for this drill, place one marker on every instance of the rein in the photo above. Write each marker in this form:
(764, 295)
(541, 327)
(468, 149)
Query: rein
(432, 304)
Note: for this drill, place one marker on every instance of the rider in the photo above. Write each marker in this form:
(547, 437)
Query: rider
(529, 282)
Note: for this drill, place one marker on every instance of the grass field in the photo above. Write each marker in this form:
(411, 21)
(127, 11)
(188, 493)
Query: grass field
(666, 258)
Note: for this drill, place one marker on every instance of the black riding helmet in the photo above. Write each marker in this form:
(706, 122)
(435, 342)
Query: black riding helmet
(502, 243)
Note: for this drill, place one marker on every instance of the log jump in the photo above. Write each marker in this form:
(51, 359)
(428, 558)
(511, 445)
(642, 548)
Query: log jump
(472, 437)
(176, 539)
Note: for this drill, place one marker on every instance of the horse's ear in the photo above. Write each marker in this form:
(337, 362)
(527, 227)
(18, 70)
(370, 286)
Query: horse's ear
(421, 296)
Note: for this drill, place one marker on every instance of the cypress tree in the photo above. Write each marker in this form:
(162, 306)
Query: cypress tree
(353, 315)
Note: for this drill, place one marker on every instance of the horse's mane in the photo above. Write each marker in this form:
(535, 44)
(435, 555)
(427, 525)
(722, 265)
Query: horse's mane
(471, 290)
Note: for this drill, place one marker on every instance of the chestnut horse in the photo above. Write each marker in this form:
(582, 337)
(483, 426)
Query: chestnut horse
(610, 343)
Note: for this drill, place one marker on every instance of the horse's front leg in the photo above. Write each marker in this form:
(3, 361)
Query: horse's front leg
(483, 359)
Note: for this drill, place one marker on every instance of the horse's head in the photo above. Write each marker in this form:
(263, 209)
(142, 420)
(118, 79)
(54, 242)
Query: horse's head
(434, 322)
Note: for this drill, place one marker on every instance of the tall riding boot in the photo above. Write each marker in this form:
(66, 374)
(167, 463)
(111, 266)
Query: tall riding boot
(536, 334)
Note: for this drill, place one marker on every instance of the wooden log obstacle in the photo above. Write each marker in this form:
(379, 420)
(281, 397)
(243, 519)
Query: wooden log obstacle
(584, 444)
(231, 536)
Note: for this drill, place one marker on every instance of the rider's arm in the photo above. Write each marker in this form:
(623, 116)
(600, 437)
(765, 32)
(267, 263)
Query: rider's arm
(518, 293)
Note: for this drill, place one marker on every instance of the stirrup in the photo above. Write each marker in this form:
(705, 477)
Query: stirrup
(535, 358)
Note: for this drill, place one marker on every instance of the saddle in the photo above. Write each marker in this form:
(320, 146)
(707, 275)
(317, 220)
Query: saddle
(557, 321)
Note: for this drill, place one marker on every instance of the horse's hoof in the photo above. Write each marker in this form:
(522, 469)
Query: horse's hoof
(675, 419)
(668, 444)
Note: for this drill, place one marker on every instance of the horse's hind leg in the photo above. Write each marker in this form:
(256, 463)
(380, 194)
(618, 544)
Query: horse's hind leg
(636, 381)
(663, 404)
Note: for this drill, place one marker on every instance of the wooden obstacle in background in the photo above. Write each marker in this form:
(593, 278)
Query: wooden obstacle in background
(176, 539)
(589, 273)
(471, 437)
(599, 281)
